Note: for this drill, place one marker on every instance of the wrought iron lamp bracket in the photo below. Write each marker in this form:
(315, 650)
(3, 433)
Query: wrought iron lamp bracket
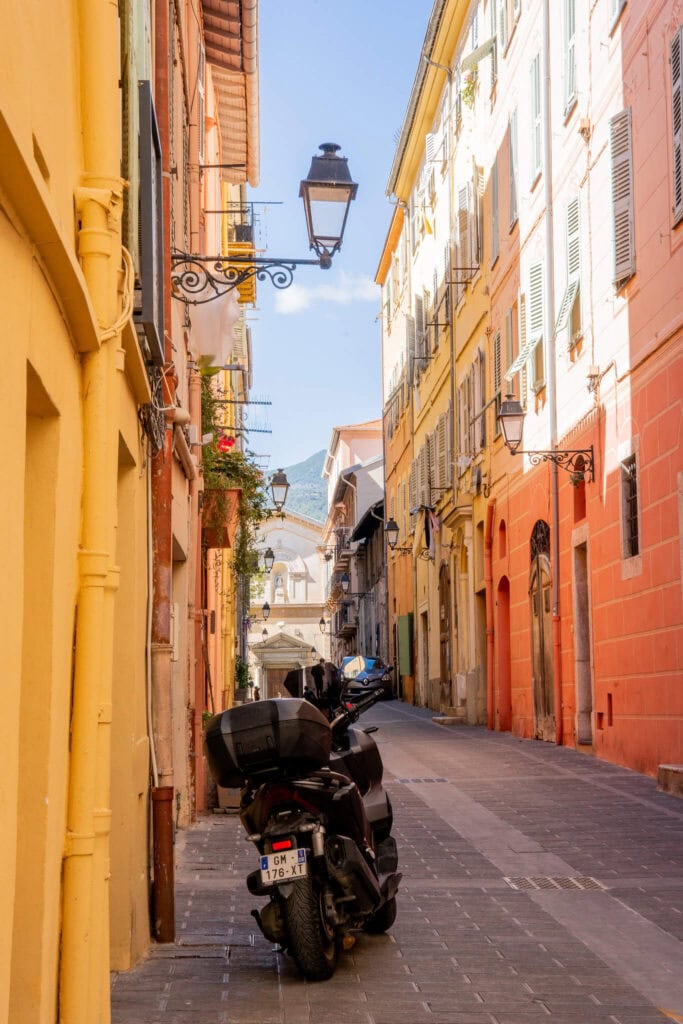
(566, 459)
(199, 279)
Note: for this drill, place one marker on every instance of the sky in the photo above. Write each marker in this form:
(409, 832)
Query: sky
(330, 71)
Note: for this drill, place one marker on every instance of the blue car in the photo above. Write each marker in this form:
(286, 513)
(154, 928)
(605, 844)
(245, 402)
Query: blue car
(360, 675)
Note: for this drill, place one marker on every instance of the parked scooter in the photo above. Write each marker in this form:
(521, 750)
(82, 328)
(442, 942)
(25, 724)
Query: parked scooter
(313, 804)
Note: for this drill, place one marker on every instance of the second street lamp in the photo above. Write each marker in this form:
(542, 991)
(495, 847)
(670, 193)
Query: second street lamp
(279, 487)
(577, 461)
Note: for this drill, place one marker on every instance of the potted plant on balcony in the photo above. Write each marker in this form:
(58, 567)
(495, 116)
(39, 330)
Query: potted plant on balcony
(235, 497)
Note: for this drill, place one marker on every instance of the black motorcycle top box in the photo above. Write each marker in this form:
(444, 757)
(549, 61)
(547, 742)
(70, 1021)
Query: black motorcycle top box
(258, 739)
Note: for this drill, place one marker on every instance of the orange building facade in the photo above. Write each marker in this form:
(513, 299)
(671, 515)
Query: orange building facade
(544, 145)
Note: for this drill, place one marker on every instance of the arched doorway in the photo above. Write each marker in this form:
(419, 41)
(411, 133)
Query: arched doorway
(541, 632)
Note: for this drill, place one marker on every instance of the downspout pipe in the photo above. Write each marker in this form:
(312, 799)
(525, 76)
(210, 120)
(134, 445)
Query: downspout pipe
(163, 899)
(84, 961)
(549, 335)
(490, 636)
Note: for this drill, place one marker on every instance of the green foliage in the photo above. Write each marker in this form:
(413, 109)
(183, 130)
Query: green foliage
(233, 469)
(469, 88)
(241, 673)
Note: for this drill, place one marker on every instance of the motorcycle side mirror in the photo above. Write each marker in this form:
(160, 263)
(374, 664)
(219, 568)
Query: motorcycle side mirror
(371, 728)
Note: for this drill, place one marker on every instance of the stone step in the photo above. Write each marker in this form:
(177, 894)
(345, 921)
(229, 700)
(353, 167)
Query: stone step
(670, 779)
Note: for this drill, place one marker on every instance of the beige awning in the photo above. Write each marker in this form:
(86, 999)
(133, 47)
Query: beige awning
(231, 44)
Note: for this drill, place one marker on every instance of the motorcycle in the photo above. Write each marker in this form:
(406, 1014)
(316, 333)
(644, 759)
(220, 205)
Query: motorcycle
(313, 804)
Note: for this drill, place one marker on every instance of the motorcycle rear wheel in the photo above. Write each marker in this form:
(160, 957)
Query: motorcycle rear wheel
(313, 942)
(382, 920)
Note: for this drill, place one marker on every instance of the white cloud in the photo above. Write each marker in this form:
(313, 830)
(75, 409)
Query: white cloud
(344, 290)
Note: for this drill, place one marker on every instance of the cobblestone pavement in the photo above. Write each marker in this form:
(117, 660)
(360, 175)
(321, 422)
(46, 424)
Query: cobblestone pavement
(539, 885)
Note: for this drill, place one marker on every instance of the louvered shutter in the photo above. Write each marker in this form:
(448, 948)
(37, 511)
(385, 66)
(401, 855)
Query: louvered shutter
(448, 466)
(433, 467)
(419, 327)
(569, 52)
(514, 176)
(494, 211)
(481, 405)
(536, 302)
(464, 257)
(502, 26)
(430, 145)
(622, 196)
(522, 332)
(573, 239)
(423, 475)
(573, 264)
(412, 494)
(410, 346)
(535, 104)
(441, 473)
(677, 121)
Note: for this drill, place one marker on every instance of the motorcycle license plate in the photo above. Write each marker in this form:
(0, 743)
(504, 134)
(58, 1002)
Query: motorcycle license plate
(283, 867)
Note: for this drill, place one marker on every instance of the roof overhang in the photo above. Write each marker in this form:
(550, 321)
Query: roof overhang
(231, 45)
(443, 33)
(370, 522)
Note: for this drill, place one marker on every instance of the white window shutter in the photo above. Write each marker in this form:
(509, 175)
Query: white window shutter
(569, 52)
(536, 302)
(494, 211)
(410, 347)
(621, 153)
(535, 106)
(677, 121)
(573, 239)
(434, 483)
(514, 176)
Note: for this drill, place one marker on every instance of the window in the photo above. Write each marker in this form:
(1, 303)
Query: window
(536, 315)
(570, 307)
(535, 112)
(677, 122)
(629, 507)
(494, 212)
(621, 156)
(569, 55)
(497, 381)
(512, 139)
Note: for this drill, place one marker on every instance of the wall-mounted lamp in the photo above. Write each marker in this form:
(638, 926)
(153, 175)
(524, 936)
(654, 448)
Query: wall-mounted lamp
(345, 583)
(268, 559)
(577, 461)
(391, 533)
(327, 193)
(323, 625)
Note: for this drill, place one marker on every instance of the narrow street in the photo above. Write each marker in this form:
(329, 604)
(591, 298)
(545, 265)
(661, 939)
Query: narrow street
(538, 884)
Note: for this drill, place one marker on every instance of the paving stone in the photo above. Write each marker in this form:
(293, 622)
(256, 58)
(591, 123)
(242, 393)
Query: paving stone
(466, 947)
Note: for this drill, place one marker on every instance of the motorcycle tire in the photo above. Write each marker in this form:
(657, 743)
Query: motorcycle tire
(313, 943)
(381, 921)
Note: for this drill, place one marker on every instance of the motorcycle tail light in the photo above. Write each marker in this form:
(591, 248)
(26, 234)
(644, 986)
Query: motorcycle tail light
(282, 844)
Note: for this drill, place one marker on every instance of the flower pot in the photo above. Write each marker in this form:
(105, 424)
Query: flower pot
(220, 516)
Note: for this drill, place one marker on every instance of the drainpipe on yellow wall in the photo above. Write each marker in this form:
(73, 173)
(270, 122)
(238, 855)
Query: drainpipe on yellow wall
(84, 964)
(163, 910)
